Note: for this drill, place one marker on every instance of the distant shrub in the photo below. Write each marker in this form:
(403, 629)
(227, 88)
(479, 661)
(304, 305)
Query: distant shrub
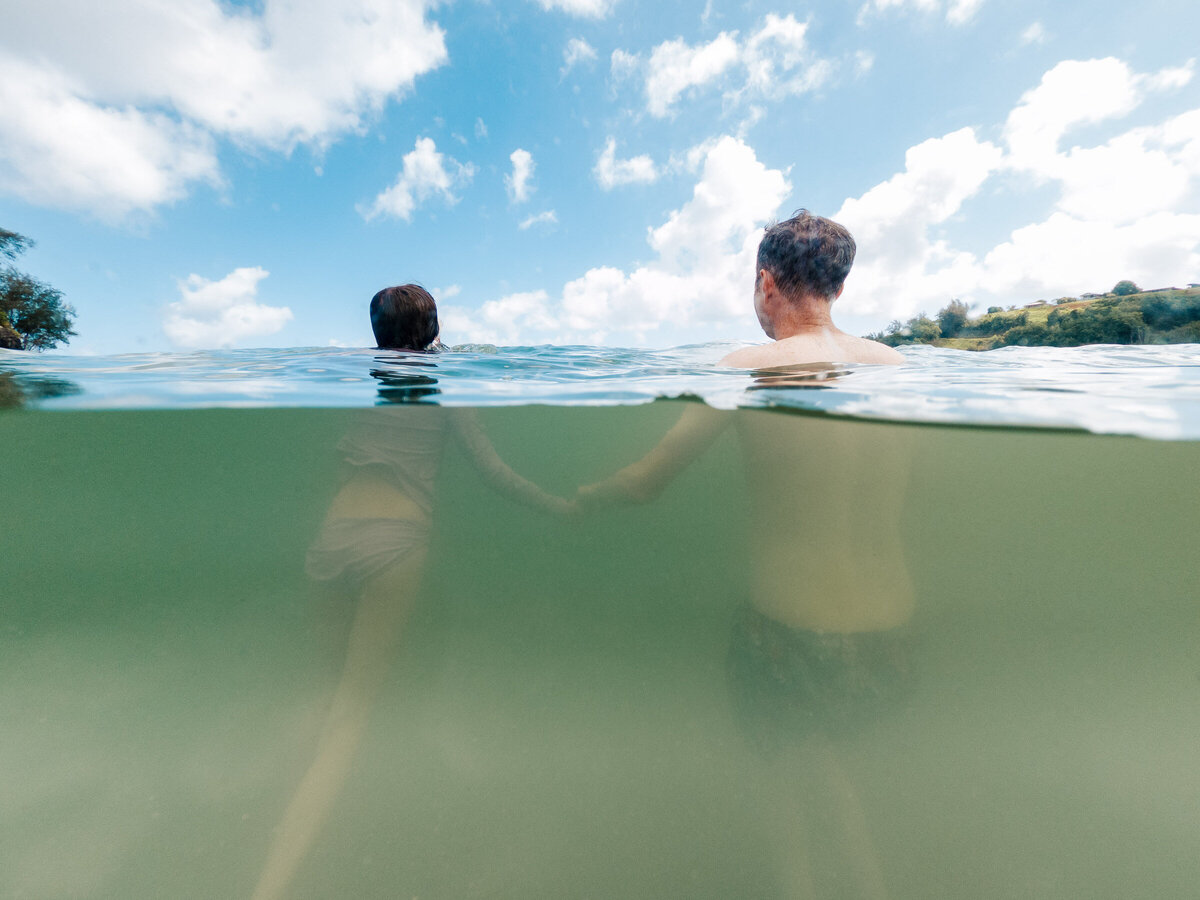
(1026, 335)
(924, 329)
(951, 318)
(1165, 312)
(1125, 288)
(996, 323)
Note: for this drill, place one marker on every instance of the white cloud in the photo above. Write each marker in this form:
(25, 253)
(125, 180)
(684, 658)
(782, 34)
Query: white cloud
(222, 313)
(425, 173)
(1073, 93)
(778, 62)
(624, 65)
(1066, 255)
(701, 275)
(549, 217)
(447, 292)
(1123, 206)
(518, 183)
(588, 9)
(514, 319)
(898, 263)
(58, 150)
(957, 12)
(674, 66)
(577, 50)
(480, 129)
(296, 72)
(611, 172)
(772, 62)
(1034, 34)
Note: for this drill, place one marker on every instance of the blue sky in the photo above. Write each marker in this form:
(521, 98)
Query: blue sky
(203, 174)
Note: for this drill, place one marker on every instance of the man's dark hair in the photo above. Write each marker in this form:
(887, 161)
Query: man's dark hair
(807, 255)
(404, 318)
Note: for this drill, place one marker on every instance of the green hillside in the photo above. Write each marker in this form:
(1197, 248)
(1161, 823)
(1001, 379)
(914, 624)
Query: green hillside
(1125, 315)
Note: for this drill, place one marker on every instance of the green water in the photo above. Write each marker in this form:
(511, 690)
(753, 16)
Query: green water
(556, 721)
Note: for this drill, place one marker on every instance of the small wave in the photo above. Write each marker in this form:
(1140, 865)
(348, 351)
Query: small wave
(1151, 391)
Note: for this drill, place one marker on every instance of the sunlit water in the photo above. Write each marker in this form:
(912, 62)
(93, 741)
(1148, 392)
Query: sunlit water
(557, 717)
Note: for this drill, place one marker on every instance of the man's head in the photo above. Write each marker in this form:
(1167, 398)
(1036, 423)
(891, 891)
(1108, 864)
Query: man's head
(404, 318)
(806, 255)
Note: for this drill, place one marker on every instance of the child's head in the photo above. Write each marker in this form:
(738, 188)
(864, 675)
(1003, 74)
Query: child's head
(404, 318)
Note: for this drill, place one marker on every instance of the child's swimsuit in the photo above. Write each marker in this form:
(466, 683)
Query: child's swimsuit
(356, 549)
(404, 447)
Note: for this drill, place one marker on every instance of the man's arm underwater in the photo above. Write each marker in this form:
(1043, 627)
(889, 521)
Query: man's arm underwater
(645, 479)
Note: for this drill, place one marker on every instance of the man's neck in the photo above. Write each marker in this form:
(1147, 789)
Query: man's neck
(803, 315)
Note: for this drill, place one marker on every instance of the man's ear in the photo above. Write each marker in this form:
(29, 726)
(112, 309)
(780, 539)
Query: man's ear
(766, 280)
(839, 291)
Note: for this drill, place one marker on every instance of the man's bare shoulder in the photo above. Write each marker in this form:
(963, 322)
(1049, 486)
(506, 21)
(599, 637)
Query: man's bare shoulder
(799, 350)
(747, 358)
(868, 351)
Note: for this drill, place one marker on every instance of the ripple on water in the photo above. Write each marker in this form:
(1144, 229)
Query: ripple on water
(1151, 391)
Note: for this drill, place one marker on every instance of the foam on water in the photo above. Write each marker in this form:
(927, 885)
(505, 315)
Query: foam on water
(1150, 391)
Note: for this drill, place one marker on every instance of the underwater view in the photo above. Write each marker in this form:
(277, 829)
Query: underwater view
(316, 624)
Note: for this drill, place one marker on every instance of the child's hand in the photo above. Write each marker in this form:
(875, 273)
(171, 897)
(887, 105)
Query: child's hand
(560, 506)
(593, 496)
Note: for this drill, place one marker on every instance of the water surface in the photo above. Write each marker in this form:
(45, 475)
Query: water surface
(557, 717)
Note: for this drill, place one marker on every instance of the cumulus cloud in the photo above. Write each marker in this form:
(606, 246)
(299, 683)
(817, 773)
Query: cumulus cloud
(1034, 34)
(519, 318)
(59, 150)
(701, 273)
(549, 217)
(1123, 206)
(772, 62)
(899, 263)
(674, 66)
(425, 173)
(519, 182)
(169, 78)
(577, 50)
(623, 65)
(611, 172)
(222, 313)
(588, 9)
(957, 12)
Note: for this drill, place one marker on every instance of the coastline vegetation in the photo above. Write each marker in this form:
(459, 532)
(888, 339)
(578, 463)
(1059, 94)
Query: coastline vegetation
(32, 314)
(1124, 315)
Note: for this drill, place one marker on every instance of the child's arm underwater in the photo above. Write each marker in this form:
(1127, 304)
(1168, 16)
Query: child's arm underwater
(498, 474)
(645, 479)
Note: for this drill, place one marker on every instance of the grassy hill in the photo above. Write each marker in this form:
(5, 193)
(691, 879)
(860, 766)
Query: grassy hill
(1167, 316)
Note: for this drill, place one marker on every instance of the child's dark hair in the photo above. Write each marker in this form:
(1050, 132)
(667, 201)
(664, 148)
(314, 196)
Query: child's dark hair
(404, 318)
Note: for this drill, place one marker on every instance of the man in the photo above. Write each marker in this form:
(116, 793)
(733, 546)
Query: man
(802, 268)
(819, 648)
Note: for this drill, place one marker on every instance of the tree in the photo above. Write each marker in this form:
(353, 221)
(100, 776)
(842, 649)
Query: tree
(952, 317)
(1125, 288)
(33, 315)
(924, 329)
